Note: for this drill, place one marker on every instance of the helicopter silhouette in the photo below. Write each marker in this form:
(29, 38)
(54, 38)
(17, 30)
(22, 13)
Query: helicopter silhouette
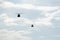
(32, 25)
(18, 15)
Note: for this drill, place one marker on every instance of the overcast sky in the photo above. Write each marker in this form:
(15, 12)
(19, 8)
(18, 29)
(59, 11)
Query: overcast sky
(44, 14)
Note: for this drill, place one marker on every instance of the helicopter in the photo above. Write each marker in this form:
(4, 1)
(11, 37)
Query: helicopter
(32, 25)
(18, 15)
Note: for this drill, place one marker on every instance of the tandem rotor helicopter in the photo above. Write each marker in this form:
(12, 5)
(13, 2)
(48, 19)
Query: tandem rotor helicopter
(18, 15)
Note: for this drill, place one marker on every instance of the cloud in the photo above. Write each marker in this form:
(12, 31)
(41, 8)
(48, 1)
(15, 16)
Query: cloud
(48, 18)
(43, 21)
(23, 21)
(14, 35)
(7, 20)
(14, 21)
(10, 21)
(48, 11)
(38, 2)
(57, 16)
(7, 4)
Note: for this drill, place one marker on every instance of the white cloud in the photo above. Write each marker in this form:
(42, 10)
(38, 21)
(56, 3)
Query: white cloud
(43, 21)
(14, 35)
(14, 21)
(48, 17)
(39, 21)
(57, 15)
(23, 21)
(7, 20)
(7, 4)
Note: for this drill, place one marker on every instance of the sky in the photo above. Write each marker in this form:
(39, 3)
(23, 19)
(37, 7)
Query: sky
(43, 14)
